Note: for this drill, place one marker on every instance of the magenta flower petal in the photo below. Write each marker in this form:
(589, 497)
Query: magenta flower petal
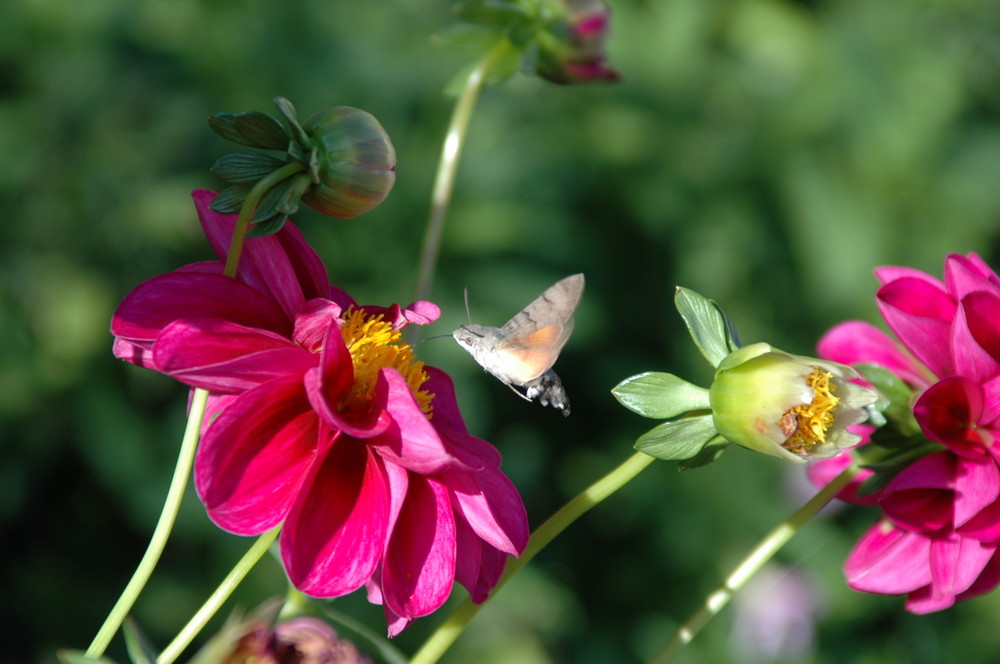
(889, 561)
(888, 273)
(447, 417)
(948, 412)
(984, 526)
(410, 440)
(419, 565)
(968, 274)
(253, 457)
(982, 311)
(856, 342)
(334, 535)
(156, 303)
(926, 600)
(969, 356)
(226, 358)
(988, 579)
(491, 506)
(977, 484)
(265, 265)
(956, 563)
(921, 496)
(920, 315)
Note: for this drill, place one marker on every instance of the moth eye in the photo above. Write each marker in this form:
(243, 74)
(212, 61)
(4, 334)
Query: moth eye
(467, 342)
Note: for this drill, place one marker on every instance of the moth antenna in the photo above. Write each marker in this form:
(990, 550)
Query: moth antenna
(437, 336)
(468, 312)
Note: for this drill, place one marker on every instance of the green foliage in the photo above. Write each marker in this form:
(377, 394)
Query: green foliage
(683, 438)
(660, 395)
(710, 329)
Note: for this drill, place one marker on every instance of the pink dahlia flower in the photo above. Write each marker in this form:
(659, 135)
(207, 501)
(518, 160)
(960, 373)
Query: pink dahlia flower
(323, 420)
(938, 540)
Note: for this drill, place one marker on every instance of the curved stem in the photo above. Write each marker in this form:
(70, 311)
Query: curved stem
(217, 598)
(247, 210)
(185, 460)
(751, 564)
(451, 151)
(192, 432)
(446, 634)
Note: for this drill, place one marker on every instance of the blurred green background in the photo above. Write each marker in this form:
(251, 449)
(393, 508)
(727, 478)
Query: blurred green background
(766, 153)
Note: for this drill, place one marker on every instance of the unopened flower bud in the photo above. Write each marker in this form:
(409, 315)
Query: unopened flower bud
(355, 166)
(571, 46)
(786, 405)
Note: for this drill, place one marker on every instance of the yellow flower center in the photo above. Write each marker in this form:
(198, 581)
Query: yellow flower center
(373, 344)
(805, 426)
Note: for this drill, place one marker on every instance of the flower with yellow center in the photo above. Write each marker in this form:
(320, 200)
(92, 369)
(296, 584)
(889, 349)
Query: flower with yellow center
(786, 405)
(373, 344)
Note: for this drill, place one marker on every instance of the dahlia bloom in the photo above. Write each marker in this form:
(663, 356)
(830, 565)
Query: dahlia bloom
(785, 405)
(322, 420)
(937, 542)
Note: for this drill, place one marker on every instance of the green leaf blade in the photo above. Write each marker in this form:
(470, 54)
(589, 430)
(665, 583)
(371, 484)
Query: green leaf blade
(679, 439)
(660, 395)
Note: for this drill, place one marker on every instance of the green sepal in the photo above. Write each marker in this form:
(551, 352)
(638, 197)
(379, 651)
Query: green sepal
(78, 657)
(253, 129)
(660, 395)
(713, 450)
(683, 438)
(301, 140)
(488, 12)
(230, 201)
(245, 166)
(894, 398)
(710, 328)
(270, 215)
(140, 651)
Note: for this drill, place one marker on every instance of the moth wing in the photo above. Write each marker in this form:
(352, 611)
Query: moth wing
(553, 307)
(525, 357)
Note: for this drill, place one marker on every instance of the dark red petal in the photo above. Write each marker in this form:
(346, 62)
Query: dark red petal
(252, 459)
(921, 496)
(948, 412)
(335, 534)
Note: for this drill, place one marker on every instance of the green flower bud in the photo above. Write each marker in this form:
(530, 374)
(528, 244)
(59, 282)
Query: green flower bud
(355, 162)
(340, 162)
(786, 405)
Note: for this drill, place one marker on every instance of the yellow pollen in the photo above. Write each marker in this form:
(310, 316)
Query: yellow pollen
(806, 425)
(373, 344)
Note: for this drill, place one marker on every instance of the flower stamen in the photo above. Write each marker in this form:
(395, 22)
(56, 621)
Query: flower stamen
(373, 344)
(806, 425)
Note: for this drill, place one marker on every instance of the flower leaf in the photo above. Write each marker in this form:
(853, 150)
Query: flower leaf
(265, 132)
(244, 166)
(710, 329)
(712, 451)
(660, 395)
(678, 439)
(896, 396)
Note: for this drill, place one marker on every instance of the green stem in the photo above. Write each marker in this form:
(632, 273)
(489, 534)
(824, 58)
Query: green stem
(218, 598)
(445, 635)
(750, 565)
(168, 515)
(192, 432)
(451, 151)
(247, 210)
